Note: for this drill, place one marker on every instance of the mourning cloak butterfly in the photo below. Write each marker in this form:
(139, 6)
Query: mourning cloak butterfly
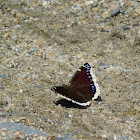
(81, 89)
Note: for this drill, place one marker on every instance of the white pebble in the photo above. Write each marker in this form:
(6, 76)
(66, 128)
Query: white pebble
(21, 91)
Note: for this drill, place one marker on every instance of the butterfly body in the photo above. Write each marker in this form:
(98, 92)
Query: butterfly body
(81, 89)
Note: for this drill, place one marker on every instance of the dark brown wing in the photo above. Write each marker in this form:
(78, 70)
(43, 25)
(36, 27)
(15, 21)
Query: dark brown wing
(82, 80)
(78, 95)
(81, 88)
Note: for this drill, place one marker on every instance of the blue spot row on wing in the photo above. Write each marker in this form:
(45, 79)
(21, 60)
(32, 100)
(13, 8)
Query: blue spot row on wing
(93, 88)
(89, 76)
(90, 80)
(87, 65)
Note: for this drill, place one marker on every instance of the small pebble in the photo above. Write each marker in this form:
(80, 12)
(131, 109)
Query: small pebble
(8, 9)
(35, 135)
(59, 122)
(32, 49)
(102, 64)
(125, 28)
(68, 116)
(137, 11)
(3, 76)
(3, 134)
(21, 91)
(6, 35)
(123, 11)
(94, 4)
(8, 109)
(68, 122)
(115, 12)
(96, 9)
(17, 133)
(117, 137)
(18, 15)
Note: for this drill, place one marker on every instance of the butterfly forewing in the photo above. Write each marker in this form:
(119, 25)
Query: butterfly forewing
(80, 79)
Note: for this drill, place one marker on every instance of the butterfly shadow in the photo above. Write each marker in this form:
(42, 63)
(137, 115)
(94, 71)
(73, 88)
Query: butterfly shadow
(69, 104)
(98, 99)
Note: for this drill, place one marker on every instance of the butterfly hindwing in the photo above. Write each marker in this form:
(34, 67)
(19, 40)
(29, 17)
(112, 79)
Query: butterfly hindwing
(74, 95)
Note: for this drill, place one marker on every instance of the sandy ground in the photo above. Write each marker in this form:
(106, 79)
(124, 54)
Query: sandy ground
(42, 44)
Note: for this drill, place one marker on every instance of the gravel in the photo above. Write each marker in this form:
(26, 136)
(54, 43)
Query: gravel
(42, 44)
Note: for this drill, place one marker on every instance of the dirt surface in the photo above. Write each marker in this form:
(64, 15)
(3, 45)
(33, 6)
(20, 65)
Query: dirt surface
(42, 44)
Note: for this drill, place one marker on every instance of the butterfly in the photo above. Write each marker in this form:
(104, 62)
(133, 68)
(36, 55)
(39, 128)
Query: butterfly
(82, 87)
